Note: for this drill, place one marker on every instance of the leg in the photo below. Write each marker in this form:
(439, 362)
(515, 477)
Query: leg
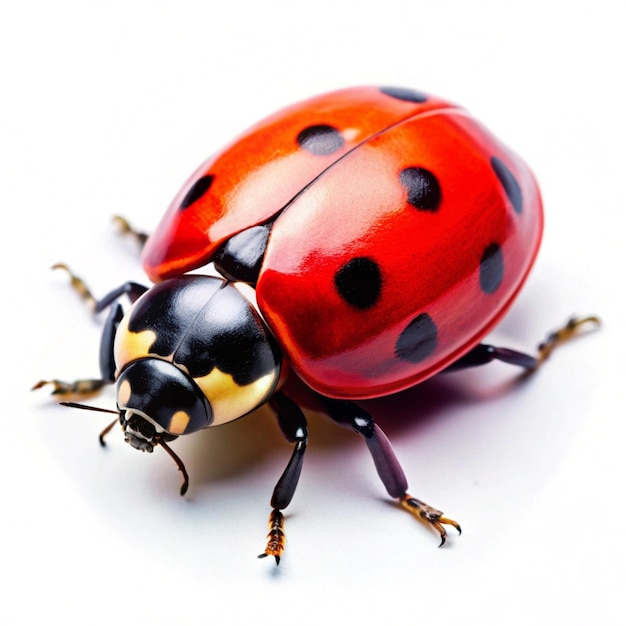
(131, 289)
(387, 465)
(89, 386)
(293, 425)
(126, 229)
(483, 353)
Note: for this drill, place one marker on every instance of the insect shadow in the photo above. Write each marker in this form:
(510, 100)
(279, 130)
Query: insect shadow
(219, 454)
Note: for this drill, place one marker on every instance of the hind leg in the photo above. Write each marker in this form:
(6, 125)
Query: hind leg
(387, 464)
(484, 353)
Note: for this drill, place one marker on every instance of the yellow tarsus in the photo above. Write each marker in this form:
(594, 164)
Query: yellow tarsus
(572, 328)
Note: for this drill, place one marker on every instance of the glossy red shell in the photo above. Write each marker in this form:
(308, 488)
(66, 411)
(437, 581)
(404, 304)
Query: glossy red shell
(390, 257)
(262, 171)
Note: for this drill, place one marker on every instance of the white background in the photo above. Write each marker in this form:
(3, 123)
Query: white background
(107, 108)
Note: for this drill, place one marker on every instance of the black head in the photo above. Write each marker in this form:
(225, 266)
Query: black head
(158, 401)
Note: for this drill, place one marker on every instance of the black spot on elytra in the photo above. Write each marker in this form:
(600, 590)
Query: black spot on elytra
(422, 186)
(320, 139)
(509, 182)
(359, 282)
(491, 268)
(197, 190)
(418, 340)
(402, 93)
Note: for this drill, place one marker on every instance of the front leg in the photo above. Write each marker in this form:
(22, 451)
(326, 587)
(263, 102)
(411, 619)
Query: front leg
(293, 425)
(387, 465)
(86, 387)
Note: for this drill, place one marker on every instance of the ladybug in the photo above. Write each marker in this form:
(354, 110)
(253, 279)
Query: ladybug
(365, 240)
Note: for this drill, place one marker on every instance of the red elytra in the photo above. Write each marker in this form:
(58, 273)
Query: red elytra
(402, 230)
